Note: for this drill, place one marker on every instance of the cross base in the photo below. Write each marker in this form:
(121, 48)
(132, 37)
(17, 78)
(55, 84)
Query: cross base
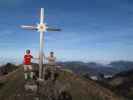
(40, 80)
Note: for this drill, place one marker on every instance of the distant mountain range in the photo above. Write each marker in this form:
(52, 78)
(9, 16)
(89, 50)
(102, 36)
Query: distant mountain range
(93, 68)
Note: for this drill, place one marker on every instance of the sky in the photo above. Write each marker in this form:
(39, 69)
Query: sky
(92, 30)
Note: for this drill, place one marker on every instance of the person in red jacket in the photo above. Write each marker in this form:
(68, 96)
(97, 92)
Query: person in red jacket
(27, 65)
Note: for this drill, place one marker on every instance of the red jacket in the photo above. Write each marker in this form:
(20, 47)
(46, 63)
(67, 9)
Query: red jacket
(27, 59)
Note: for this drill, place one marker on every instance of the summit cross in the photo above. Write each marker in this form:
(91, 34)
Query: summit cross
(42, 28)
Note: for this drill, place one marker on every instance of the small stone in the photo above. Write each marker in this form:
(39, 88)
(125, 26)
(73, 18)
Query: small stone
(31, 87)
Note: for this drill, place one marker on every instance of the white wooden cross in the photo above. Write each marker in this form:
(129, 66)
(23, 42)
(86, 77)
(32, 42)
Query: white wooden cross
(42, 28)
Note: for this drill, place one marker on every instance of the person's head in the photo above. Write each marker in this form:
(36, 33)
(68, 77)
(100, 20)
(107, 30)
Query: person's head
(27, 51)
(51, 54)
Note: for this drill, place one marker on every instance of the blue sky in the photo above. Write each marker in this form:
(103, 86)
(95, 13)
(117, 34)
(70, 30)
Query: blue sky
(92, 30)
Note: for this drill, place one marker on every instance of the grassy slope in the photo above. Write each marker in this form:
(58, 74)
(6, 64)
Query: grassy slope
(13, 85)
(82, 89)
(79, 88)
(122, 84)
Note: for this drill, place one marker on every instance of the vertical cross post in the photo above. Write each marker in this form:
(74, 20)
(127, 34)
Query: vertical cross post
(41, 54)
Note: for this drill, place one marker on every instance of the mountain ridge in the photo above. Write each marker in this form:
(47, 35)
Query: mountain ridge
(79, 87)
